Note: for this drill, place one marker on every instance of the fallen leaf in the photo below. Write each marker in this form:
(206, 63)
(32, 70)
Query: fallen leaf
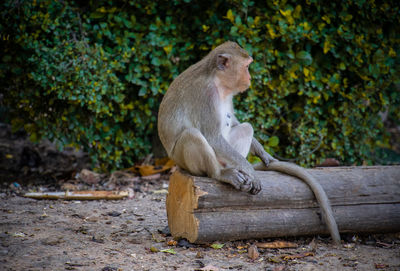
(168, 250)
(199, 255)
(146, 170)
(297, 256)
(277, 244)
(217, 246)
(154, 249)
(164, 162)
(172, 243)
(19, 234)
(275, 259)
(381, 265)
(253, 252)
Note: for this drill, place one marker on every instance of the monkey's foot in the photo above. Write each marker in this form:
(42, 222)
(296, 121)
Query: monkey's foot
(240, 180)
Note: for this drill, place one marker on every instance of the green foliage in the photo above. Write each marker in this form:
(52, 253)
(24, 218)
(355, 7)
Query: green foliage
(93, 74)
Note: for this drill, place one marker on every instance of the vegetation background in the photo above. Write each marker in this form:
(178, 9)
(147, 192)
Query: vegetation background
(91, 74)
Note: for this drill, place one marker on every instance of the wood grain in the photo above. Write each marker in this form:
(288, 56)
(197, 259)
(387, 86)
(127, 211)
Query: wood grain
(363, 199)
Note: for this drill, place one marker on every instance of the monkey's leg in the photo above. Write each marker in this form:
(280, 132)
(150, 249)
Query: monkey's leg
(193, 153)
(240, 138)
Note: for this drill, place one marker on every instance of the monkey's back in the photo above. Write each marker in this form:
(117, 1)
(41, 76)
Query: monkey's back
(181, 105)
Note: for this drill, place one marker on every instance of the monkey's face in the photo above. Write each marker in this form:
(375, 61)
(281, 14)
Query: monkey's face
(243, 74)
(233, 72)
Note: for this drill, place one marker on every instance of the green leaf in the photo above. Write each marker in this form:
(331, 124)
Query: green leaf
(97, 15)
(305, 57)
(273, 141)
(168, 250)
(217, 246)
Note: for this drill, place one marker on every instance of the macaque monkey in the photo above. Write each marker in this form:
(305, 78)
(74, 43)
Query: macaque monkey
(199, 130)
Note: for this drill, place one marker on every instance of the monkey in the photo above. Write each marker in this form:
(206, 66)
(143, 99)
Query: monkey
(199, 130)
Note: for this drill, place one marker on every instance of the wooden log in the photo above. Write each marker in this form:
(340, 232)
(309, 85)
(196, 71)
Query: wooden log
(363, 199)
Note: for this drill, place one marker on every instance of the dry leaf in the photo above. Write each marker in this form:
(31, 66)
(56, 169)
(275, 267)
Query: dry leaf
(160, 166)
(297, 256)
(253, 252)
(146, 170)
(381, 265)
(277, 244)
(275, 259)
(172, 243)
(164, 162)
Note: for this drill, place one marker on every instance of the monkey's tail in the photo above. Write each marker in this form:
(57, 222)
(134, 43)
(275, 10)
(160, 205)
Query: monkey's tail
(319, 192)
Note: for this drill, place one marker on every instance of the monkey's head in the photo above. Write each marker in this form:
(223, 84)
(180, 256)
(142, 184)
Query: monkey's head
(232, 66)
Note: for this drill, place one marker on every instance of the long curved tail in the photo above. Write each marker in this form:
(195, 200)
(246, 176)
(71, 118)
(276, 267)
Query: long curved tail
(297, 171)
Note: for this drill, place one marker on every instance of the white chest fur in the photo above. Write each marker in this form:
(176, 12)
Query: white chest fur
(226, 114)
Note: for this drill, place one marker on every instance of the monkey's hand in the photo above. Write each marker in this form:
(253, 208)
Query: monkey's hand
(258, 150)
(255, 187)
(266, 158)
(240, 180)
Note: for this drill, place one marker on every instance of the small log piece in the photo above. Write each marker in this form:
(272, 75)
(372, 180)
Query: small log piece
(363, 199)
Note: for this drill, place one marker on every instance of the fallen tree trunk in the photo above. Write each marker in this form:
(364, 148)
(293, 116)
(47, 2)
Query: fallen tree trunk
(363, 199)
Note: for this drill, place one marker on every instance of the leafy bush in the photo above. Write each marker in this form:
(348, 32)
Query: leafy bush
(93, 75)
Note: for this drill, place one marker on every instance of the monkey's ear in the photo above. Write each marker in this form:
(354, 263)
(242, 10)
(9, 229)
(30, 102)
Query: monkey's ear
(223, 61)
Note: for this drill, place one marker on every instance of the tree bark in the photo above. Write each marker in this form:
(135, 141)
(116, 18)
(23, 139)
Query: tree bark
(363, 199)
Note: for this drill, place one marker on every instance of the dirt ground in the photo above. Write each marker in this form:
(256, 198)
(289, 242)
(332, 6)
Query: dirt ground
(130, 234)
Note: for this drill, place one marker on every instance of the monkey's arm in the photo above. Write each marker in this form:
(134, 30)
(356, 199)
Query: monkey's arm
(258, 150)
(224, 151)
(236, 166)
(229, 155)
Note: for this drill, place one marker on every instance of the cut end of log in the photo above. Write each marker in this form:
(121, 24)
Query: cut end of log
(181, 204)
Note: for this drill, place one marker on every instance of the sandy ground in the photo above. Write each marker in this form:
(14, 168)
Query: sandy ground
(125, 235)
